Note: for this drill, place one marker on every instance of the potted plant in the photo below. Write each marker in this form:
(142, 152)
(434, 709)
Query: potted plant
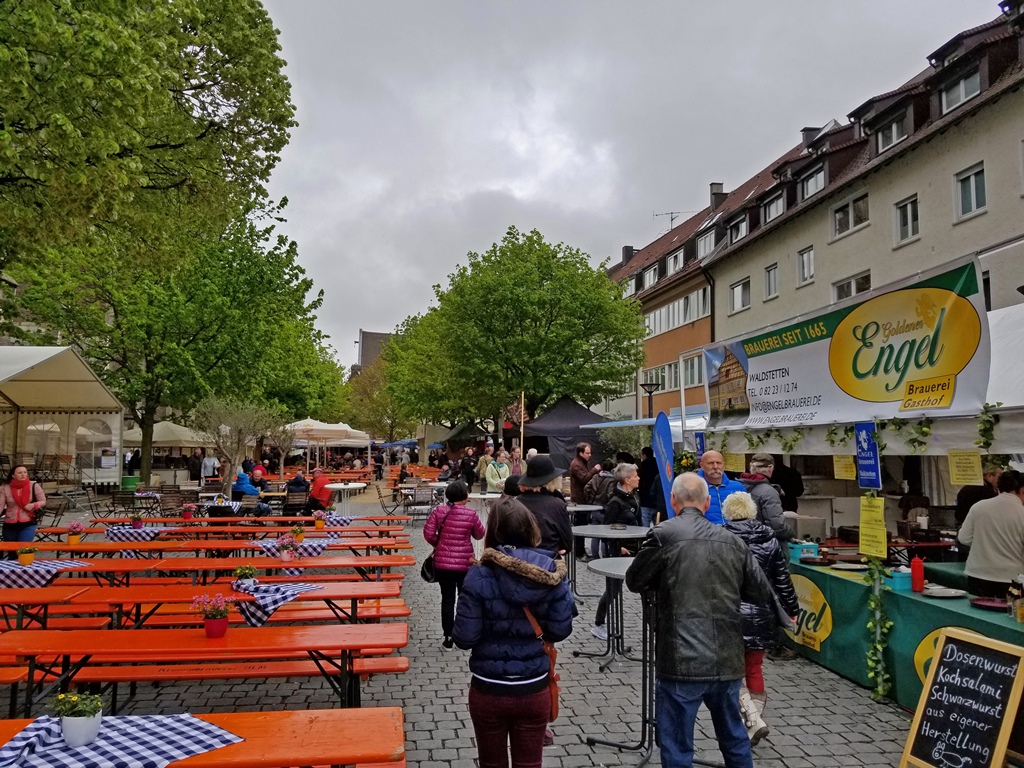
(319, 519)
(136, 518)
(287, 545)
(26, 555)
(299, 533)
(187, 511)
(215, 612)
(81, 716)
(245, 575)
(75, 532)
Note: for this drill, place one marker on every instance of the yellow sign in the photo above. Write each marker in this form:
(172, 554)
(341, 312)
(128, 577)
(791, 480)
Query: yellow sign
(814, 622)
(884, 352)
(735, 462)
(965, 468)
(872, 511)
(844, 467)
(873, 541)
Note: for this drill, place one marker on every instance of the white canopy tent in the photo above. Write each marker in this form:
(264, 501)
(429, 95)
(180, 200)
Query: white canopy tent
(167, 434)
(311, 433)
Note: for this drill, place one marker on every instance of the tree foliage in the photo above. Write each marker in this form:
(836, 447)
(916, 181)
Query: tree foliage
(374, 408)
(524, 316)
(231, 424)
(112, 110)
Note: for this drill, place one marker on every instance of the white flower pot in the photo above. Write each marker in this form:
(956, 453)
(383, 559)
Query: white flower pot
(79, 731)
(247, 582)
(287, 554)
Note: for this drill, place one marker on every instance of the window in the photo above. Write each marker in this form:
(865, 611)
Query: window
(675, 262)
(805, 266)
(852, 286)
(894, 132)
(961, 91)
(666, 375)
(628, 287)
(679, 312)
(697, 305)
(907, 227)
(986, 287)
(850, 215)
(693, 371)
(738, 230)
(771, 281)
(705, 244)
(815, 182)
(773, 208)
(970, 191)
(739, 295)
(650, 277)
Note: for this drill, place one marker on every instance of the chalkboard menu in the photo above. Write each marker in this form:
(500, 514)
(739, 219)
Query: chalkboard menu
(968, 705)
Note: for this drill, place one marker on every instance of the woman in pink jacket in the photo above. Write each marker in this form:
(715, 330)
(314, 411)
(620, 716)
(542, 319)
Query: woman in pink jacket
(450, 529)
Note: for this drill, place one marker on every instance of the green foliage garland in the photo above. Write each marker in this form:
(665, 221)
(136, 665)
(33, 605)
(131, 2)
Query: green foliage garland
(987, 421)
(878, 626)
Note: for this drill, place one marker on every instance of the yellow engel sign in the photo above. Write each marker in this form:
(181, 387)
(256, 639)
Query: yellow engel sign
(735, 462)
(965, 467)
(814, 622)
(844, 467)
(905, 338)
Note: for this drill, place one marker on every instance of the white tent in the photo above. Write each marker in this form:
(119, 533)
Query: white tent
(318, 434)
(167, 434)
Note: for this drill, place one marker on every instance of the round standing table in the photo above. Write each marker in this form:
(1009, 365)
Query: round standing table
(601, 532)
(344, 490)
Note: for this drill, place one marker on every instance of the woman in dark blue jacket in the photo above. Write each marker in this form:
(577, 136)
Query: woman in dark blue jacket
(509, 700)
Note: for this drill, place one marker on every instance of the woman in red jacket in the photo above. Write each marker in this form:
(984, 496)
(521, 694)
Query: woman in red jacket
(450, 529)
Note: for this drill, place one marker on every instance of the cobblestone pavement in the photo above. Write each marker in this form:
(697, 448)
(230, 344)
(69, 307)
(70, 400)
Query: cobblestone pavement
(817, 718)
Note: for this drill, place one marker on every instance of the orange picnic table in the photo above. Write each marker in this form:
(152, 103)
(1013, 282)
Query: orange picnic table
(307, 521)
(159, 548)
(330, 647)
(370, 567)
(287, 738)
(31, 604)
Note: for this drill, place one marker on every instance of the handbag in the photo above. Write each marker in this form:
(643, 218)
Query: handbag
(427, 571)
(552, 654)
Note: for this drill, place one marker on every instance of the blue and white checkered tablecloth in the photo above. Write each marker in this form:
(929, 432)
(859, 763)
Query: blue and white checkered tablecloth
(127, 533)
(335, 521)
(144, 741)
(308, 548)
(269, 597)
(235, 505)
(39, 574)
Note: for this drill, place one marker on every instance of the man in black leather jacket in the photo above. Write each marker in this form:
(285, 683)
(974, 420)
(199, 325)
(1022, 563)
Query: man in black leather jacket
(700, 573)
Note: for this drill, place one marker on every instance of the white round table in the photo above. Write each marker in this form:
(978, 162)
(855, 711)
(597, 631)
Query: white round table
(344, 490)
(437, 485)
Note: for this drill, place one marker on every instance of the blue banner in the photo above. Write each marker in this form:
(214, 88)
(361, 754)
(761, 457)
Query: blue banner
(869, 467)
(698, 444)
(661, 442)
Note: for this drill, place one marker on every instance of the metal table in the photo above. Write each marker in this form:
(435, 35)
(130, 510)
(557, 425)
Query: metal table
(344, 490)
(601, 532)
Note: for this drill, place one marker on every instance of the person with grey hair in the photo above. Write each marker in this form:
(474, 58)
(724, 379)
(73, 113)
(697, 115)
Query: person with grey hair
(766, 497)
(699, 574)
(760, 621)
(623, 508)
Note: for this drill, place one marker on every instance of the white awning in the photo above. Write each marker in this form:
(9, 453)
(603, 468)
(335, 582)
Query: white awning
(51, 378)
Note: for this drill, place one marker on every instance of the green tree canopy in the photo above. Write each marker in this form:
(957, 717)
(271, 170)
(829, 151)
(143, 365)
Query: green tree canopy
(374, 408)
(524, 316)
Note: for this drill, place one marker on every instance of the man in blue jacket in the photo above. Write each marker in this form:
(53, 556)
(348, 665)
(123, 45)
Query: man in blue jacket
(712, 469)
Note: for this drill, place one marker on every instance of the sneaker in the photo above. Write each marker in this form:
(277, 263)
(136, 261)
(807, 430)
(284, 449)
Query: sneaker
(549, 739)
(600, 631)
(782, 653)
(448, 643)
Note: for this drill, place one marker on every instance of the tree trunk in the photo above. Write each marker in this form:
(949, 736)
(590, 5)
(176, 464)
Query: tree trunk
(499, 428)
(146, 449)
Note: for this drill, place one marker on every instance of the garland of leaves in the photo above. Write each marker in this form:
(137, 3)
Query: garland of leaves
(987, 421)
(834, 438)
(755, 441)
(878, 626)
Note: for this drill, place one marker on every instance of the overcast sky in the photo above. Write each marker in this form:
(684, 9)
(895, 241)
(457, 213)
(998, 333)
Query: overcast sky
(427, 128)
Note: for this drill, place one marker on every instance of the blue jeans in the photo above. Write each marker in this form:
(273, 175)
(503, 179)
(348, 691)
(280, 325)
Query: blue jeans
(647, 515)
(676, 706)
(23, 532)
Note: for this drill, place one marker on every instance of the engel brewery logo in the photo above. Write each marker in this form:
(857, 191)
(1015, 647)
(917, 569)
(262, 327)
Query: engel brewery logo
(814, 622)
(925, 651)
(905, 346)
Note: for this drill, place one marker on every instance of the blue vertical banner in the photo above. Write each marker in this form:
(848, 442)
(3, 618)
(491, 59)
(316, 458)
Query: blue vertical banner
(698, 444)
(869, 465)
(664, 455)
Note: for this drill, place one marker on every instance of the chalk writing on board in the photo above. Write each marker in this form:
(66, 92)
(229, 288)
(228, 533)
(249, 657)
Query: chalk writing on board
(965, 706)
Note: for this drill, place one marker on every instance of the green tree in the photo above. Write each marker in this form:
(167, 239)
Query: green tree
(374, 408)
(526, 316)
(231, 424)
(113, 110)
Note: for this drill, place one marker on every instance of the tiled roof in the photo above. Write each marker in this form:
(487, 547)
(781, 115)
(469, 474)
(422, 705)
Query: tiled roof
(667, 243)
(997, 21)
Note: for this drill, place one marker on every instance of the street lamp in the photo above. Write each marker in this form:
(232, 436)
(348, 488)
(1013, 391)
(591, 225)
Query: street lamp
(650, 387)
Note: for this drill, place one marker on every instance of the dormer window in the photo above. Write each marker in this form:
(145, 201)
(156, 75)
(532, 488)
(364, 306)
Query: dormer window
(893, 133)
(738, 229)
(705, 244)
(650, 277)
(628, 287)
(773, 208)
(812, 183)
(675, 262)
(966, 88)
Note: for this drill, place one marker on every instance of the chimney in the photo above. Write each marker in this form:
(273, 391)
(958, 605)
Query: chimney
(807, 135)
(627, 253)
(718, 194)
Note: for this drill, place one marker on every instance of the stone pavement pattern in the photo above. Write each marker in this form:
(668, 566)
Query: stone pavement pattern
(817, 718)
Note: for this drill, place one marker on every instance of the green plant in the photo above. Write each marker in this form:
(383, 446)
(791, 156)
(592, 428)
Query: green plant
(27, 550)
(834, 438)
(724, 445)
(245, 572)
(136, 516)
(686, 461)
(789, 443)
(878, 628)
(298, 530)
(755, 441)
(76, 704)
(921, 431)
(987, 421)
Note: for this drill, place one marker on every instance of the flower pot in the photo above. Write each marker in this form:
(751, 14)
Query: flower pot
(320, 523)
(74, 538)
(299, 537)
(246, 582)
(26, 558)
(79, 731)
(216, 627)
(287, 554)
(186, 514)
(136, 524)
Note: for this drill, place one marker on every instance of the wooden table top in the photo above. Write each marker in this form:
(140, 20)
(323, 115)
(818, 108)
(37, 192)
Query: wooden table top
(47, 595)
(185, 593)
(270, 563)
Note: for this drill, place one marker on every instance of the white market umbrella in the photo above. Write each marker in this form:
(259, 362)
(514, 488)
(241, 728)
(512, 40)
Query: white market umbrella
(322, 434)
(167, 434)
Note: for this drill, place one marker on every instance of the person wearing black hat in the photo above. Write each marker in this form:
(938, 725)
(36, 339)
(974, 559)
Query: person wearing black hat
(538, 487)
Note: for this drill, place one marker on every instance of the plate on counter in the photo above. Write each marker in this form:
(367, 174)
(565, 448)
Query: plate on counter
(989, 603)
(850, 566)
(947, 592)
(816, 561)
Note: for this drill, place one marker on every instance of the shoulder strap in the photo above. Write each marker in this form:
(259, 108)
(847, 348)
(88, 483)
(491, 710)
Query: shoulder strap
(533, 622)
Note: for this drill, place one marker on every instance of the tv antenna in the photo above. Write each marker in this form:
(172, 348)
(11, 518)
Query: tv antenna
(671, 217)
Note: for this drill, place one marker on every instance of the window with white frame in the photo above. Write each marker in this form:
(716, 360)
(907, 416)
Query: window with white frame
(773, 208)
(907, 225)
(850, 215)
(813, 182)
(667, 375)
(705, 244)
(805, 266)
(675, 261)
(739, 295)
(697, 305)
(738, 229)
(851, 286)
(966, 88)
(693, 371)
(893, 133)
(628, 287)
(650, 277)
(691, 307)
(970, 190)
(771, 281)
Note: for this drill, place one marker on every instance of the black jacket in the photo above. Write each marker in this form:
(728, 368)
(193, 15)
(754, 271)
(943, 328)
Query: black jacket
(650, 484)
(622, 509)
(769, 504)
(759, 619)
(699, 573)
(552, 518)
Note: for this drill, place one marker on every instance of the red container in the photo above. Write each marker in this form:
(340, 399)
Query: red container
(186, 514)
(136, 524)
(917, 574)
(216, 627)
